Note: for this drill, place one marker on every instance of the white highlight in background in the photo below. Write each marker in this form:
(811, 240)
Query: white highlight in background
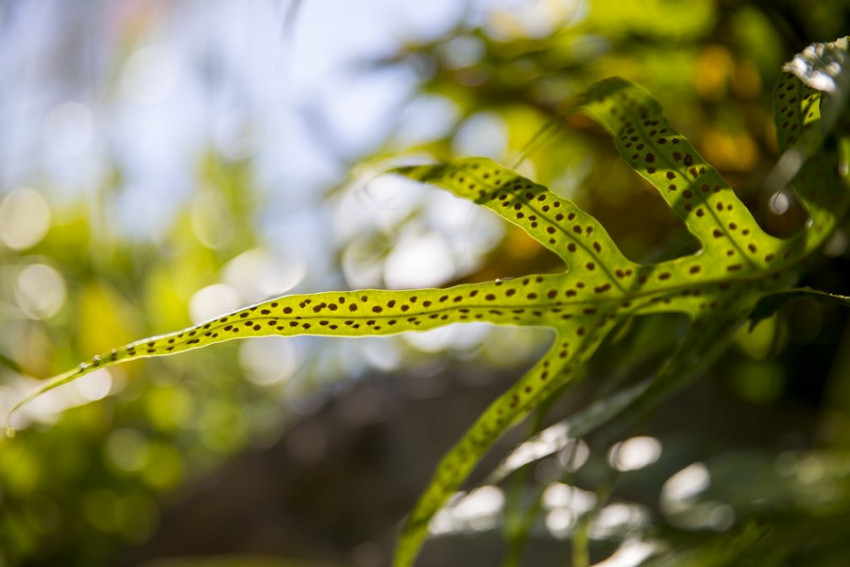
(682, 504)
(419, 261)
(631, 553)
(24, 218)
(150, 75)
(268, 361)
(686, 484)
(94, 386)
(618, 518)
(212, 301)
(560, 495)
(258, 275)
(40, 291)
(480, 510)
(635, 453)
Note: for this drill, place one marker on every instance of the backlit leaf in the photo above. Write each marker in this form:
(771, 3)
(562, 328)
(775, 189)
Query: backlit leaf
(717, 287)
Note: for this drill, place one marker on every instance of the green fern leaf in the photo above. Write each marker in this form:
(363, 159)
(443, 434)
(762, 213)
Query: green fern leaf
(717, 287)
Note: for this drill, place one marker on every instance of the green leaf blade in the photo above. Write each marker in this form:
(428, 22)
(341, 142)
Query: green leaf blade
(342, 314)
(716, 288)
(693, 189)
(559, 366)
(558, 224)
(809, 163)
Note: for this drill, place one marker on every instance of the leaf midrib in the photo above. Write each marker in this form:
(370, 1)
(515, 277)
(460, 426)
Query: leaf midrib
(706, 242)
(547, 306)
(558, 225)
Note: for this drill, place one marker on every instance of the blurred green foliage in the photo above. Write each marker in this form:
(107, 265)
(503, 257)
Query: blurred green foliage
(78, 489)
(81, 485)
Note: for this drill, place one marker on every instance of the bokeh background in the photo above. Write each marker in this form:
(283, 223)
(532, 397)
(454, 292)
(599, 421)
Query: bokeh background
(165, 161)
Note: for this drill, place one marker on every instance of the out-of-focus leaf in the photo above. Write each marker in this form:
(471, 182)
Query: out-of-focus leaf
(771, 303)
(818, 96)
(660, 19)
(559, 436)
(233, 561)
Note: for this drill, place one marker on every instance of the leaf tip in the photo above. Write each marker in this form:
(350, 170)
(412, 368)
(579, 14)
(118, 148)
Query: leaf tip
(8, 428)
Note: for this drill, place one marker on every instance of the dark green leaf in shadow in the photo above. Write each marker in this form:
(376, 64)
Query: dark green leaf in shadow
(770, 304)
